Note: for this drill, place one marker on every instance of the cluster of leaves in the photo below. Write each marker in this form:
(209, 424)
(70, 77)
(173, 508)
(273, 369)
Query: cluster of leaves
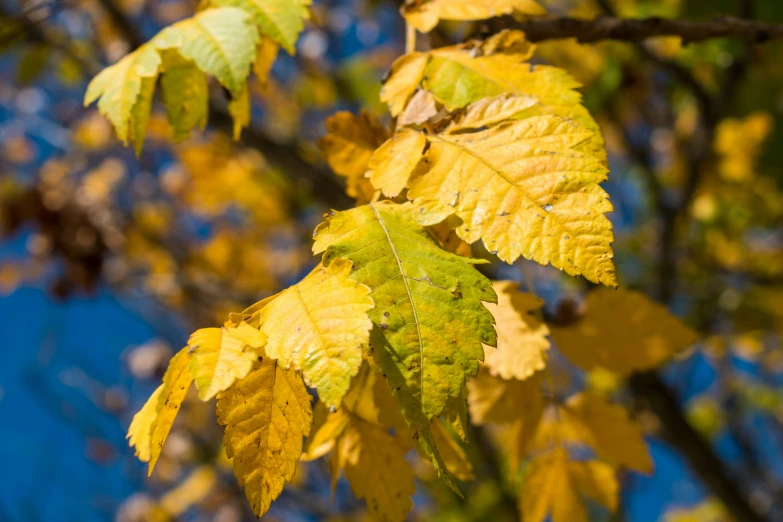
(223, 40)
(395, 329)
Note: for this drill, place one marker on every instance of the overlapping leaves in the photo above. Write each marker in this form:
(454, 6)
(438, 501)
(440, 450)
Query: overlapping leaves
(221, 41)
(430, 322)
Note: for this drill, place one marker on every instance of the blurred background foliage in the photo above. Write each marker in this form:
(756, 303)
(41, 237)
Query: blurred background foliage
(109, 260)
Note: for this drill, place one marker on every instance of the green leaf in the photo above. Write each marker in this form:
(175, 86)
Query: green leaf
(430, 322)
(185, 94)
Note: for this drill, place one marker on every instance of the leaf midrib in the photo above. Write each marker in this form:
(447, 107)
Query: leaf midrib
(410, 298)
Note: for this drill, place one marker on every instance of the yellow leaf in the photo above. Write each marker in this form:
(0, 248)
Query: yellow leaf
(191, 491)
(140, 430)
(463, 74)
(403, 79)
(607, 428)
(738, 144)
(239, 108)
(319, 326)
(452, 453)
(267, 52)
(622, 331)
(373, 460)
(423, 108)
(348, 146)
(392, 164)
(374, 463)
(151, 425)
(522, 336)
(219, 356)
(495, 400)
(555, 486)
(489, 111)
(266, 415)
(509, 402)
(523, 189)
(327, 428)
(424, 16)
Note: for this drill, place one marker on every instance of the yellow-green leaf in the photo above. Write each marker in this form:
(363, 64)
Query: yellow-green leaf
(430, 322)
(219, 356)
(280, 20)
(125, 92)
(221, 42)
(319, 326)
(185, 94)
(622, 331)
(266, 415)
(522, 336)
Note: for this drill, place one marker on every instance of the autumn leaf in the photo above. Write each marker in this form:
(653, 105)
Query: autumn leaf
(554, 485)
(319, 326)
(451, 452)
(218, 42)
(151, 425)
(522, 336)
(524, 190)
(373, 460)
(280, 20)
(221, 42)
(518, 404)
(429, 319)
(185, 94)
(587, 418)
(622, 331)
(392, 164)
(190, 491)
(374, 464)
(123, 93)
(463, 74)
(219, 356)
(424, 15)
(348, 146)
(266, 415)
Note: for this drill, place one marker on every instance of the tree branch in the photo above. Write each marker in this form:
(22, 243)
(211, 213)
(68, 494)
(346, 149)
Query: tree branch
(637, 30)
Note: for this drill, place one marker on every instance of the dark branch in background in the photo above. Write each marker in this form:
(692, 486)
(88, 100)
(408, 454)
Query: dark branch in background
(680, 434)
(630, 30)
